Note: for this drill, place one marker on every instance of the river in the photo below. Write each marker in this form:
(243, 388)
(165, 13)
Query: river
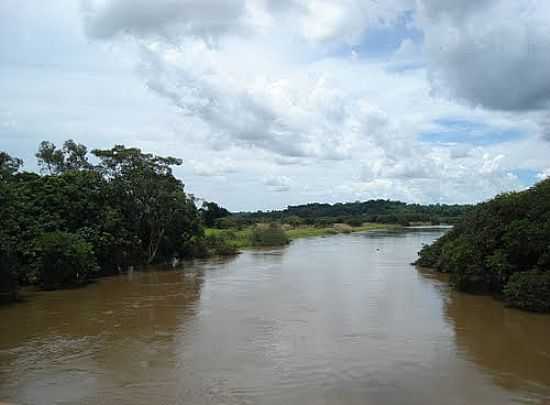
(337, 320)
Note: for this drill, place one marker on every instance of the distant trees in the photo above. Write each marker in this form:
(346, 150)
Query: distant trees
(79, 219)
(357, 213)
(501, 247)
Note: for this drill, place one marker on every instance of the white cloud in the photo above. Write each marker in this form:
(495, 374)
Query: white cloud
(278, 183)
(282, 96)
(544, 174)
(491, 53)
(212, 168)
(164, 18)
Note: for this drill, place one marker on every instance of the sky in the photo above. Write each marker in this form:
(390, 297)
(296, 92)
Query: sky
(280, 102)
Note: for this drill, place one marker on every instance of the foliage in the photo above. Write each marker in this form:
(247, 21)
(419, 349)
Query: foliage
(496, 241)
(343, 228)
(357, 213)
(268, 235)
(56, 161)
(63, 260)
(8, 276)
(211, 212)
(220, 246)
(8, 165)
(153, 202)
(529, 290)
(238, 238)
(241, 238)
(129, 209)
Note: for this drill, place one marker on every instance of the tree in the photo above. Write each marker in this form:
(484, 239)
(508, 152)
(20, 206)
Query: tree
(152, 199)
(63, 260)
(210, 212)
(73, 156)
(500, 247)
(8, 165)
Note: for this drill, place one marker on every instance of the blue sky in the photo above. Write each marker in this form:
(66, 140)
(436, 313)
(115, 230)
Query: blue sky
(272, 103)
(458, 131)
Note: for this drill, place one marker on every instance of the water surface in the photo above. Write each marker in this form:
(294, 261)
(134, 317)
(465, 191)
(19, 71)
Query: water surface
(336, 320)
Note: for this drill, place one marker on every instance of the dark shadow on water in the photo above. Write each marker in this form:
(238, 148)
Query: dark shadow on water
(510, 345)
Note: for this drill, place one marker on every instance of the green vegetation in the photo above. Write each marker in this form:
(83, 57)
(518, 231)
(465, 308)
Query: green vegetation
(501, 247)
(353, 214)
(63, 260)
(268, 235)
(310, 231)
(243, 238)
(94, 214)
(238, 239)
(529, 290)
(211, 213)
(80, 220)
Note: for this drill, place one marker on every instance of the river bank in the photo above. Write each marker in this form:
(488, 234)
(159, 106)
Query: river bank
(241, 238)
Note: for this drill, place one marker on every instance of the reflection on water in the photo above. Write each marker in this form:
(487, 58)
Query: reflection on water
(511, 345)
(337, 320)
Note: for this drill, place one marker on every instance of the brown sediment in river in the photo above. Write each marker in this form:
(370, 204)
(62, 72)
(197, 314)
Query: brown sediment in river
(338, 320)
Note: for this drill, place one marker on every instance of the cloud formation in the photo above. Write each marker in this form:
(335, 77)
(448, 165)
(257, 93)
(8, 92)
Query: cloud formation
(278, 183)
(164, 18)
(422, 100)
(490, 53)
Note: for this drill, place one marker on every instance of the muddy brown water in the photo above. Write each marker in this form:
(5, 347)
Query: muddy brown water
(335, 320)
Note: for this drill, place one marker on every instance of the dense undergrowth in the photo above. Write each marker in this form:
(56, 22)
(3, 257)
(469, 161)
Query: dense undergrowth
(501, 247)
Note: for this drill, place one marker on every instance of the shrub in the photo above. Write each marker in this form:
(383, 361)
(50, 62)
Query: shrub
(220, 246)
(63, 260)
(268, 235)
(354, 221)
(193, 247)
(343, 228)
(529, 290)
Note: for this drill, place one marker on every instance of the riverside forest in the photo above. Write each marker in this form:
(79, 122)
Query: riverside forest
(275, 202)
(104, 255)
(77, 220)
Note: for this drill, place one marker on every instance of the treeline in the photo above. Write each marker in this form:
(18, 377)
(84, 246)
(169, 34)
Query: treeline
(79, 219)
(354, 214)
(501, 247)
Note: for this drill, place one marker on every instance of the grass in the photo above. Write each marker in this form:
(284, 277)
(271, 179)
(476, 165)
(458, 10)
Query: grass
(235, 237)
(241, 238)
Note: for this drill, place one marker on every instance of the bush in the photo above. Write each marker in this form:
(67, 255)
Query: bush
(220, 246)
(8, 277)
(268, 235)
(63, 260)
(343, 228)
(354, 221)
(496, 240)
(529, 290)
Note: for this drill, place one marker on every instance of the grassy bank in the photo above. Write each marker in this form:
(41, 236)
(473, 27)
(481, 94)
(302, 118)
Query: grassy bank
(241, 238)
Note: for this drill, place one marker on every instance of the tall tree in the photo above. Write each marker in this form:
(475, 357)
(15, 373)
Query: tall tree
(152, 197)
(72, 157)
